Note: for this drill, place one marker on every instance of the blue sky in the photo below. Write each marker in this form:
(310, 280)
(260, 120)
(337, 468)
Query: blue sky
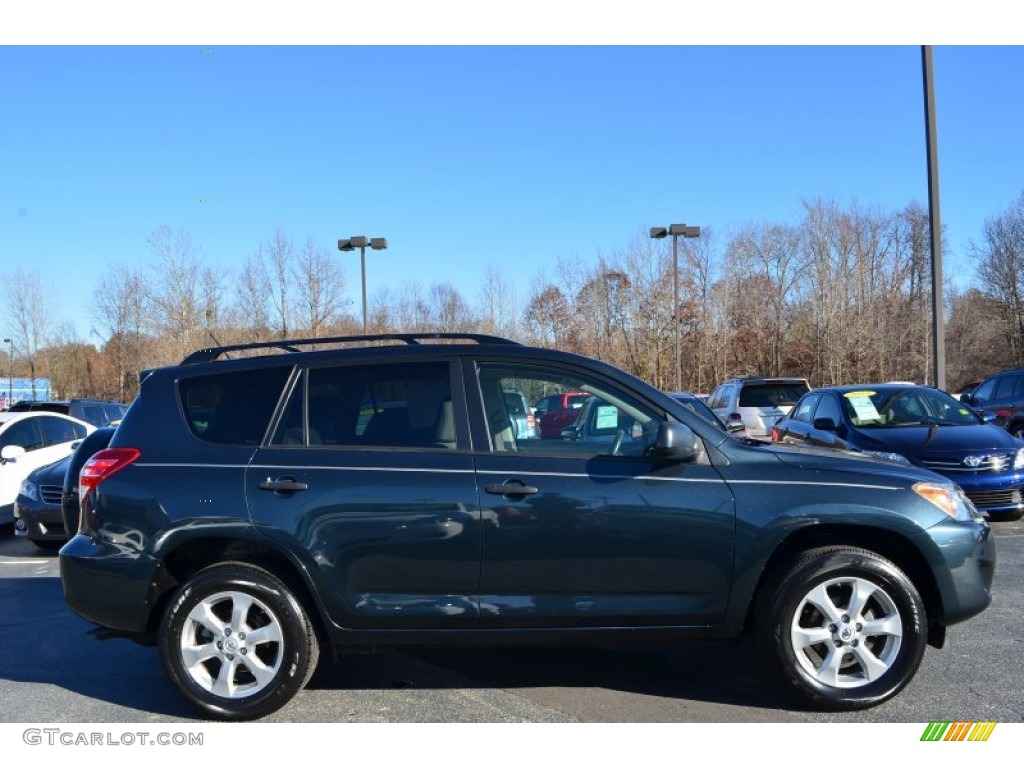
(466, 155)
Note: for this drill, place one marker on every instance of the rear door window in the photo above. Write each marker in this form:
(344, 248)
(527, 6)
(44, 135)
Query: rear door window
(405, 405)
(57, 431)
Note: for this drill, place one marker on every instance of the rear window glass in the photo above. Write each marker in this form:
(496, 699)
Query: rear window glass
(771, 395)
(232, 408)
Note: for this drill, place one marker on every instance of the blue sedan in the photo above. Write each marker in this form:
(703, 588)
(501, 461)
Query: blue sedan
(915, 425)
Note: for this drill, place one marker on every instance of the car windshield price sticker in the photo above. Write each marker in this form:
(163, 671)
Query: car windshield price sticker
(862, 406)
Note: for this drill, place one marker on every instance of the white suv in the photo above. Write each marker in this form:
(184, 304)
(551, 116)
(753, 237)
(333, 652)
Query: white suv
(757, 403)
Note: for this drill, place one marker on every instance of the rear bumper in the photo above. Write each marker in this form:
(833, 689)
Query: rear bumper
(107, 585)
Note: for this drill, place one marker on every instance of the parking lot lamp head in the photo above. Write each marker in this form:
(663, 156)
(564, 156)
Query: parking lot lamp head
(360, 242)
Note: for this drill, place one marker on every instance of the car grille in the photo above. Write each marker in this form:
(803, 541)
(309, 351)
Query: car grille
(51, 493)
(996, 499)
(998, 462)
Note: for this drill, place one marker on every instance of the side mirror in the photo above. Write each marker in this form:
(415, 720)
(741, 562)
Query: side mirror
(735, 425)
(569, 433)
(968, 398)
(676, 441)
(825, 424)
(11, 453)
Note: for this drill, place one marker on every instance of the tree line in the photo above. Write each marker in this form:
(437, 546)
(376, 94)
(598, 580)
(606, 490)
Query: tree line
(841, 296)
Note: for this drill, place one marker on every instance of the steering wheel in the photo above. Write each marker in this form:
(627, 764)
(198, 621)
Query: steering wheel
(617, 443)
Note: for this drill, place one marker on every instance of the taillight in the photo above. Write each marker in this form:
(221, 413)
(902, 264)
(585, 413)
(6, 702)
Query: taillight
(102, 465)
(775, 434)
(531, 422)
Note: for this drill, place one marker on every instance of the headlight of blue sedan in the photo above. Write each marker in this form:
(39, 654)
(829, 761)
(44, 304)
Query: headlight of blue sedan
(29, 490)
(1018, 461)
(899, 458)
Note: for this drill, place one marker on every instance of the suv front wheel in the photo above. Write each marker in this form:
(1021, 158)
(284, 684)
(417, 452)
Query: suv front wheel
(236, 643)
(844, 628)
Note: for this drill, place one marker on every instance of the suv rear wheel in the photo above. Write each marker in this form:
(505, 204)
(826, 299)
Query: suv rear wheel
(844, 628)
(236, 643)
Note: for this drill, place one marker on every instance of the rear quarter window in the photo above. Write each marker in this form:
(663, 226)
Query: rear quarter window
(232, 408)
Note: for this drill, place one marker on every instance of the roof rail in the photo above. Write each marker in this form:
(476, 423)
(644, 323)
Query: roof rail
(209, 354)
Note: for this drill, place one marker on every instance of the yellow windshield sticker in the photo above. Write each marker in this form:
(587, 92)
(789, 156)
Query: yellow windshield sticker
(859, 393)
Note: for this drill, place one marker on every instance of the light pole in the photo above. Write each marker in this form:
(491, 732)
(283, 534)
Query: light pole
(360, 242)
(10, 371)
(676, 231)
(934, 219)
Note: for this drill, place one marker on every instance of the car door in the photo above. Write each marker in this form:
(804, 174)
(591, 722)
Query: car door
(998, 394)
(23, 433)
(593, 533)
(369, 471)
(44, 438)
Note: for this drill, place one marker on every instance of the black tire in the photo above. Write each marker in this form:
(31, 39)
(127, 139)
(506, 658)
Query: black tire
(215, 663)
(811, 608)
(49, 545)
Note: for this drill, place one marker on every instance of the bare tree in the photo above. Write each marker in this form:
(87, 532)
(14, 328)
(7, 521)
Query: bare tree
(26, 309)
(451, 313)
(118, 313)
(548, 320)
(497, 302)
(320, 287)
(183, 295)
(1000, 269)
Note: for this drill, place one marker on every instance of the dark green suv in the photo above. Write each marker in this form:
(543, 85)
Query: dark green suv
(253, 513)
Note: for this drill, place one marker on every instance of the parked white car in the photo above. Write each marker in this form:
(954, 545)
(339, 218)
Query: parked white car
(30, 440)
(756, 403)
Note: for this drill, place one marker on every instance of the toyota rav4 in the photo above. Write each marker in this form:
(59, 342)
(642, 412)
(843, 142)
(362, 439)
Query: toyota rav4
(256, 511)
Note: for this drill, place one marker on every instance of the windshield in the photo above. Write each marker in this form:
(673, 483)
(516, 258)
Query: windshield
(884, 407)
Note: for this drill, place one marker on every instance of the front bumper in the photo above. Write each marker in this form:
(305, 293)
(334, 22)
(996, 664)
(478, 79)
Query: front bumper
(39, 523)
(963, 559)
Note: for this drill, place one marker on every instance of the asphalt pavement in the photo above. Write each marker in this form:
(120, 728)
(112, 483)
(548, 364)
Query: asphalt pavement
(53, 671)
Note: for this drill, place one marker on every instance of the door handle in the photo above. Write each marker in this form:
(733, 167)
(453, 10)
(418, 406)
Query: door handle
(511, 489)
(283, 485)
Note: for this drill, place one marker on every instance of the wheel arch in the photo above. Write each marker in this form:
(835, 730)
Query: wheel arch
(193, 555)
(894, 547)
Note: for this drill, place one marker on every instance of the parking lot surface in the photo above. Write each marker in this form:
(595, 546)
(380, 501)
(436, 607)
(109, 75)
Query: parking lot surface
(54, 671)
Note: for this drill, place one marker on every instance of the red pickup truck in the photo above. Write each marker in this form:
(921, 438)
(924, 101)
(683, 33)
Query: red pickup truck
(556, 412)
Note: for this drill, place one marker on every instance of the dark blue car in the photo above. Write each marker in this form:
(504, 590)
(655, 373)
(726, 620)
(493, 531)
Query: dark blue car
(915, 425)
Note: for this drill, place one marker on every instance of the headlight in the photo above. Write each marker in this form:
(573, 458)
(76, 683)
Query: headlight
(950, 499)
(899, 458)
(1018, 460)
(29, 490)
